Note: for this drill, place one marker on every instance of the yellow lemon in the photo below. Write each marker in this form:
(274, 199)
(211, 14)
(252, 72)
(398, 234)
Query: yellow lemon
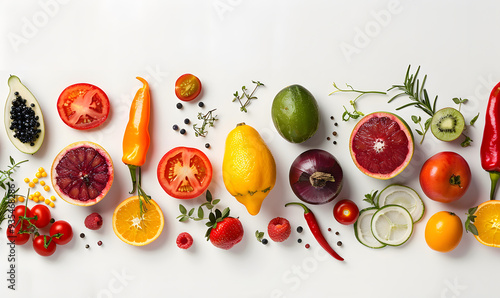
(248, 168)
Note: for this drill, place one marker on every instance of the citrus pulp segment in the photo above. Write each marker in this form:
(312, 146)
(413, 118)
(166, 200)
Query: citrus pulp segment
(134, 229)
(392, 225)
(405, 197)
(381, 145)
(82, 173)
(363, 229)
(487, 222)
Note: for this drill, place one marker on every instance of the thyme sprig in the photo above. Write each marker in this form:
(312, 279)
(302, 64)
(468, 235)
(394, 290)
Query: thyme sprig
(238, 97)
(208, 119)
(356, 113)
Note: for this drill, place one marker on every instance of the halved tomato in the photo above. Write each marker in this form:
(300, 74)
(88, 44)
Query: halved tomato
(184, 173)
(187, 87)
(83, 106)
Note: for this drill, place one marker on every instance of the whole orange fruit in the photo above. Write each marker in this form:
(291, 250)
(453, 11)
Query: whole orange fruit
(443, 231)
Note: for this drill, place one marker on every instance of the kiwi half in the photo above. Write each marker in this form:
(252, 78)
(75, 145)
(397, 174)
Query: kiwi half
(447, 124)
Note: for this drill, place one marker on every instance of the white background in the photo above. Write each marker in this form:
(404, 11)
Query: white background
(227, 43)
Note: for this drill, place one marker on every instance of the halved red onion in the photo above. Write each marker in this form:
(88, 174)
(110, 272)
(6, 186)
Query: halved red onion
(316, 177)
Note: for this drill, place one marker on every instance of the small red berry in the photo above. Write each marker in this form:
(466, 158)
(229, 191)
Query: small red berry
(93, 221)
(279, 229)
(184, 240)
(307, 245)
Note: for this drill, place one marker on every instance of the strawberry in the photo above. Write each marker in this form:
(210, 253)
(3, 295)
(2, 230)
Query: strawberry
(227, 233)
(223, 231)
(279, 229)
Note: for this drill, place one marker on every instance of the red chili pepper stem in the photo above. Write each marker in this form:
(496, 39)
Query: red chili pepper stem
(316, 231)
(494, 176)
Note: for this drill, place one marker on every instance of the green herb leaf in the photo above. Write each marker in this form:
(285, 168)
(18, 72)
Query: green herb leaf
(225, 212)
(474, 119)
(191, 212)
(182, 209)
(467, 142)
(201, 213)
(215, 202)
(416, 119)
(371, 198)
(469, 226)
(209, 196)
(259, 235)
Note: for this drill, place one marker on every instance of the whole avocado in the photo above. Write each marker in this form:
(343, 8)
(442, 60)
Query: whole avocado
(295, 113)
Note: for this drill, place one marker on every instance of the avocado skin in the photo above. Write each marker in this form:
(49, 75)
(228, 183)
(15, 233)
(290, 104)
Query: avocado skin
(295, 114)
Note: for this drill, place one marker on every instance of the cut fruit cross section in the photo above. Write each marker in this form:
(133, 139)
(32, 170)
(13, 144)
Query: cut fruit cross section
(363, 229)
(392, 225)
(405, 197)
(134, 229)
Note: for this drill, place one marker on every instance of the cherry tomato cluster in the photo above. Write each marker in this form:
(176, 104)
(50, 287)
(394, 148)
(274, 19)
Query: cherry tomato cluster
(28, 222)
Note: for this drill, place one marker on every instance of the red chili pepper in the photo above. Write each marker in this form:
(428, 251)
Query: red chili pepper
(490, 146)
(316, 231)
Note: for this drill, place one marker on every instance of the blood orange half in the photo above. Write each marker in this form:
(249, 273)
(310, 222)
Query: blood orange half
(381, 145)
(82, 173)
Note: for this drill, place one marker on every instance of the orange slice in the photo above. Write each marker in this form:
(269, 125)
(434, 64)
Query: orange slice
(487, 223)
(134, 230)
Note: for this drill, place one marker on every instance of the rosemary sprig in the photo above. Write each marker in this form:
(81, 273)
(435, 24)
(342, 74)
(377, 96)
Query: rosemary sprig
(6, 182)
(419, 98)
(356, 113)
(208, 119)
(245, 94)
(416, 92)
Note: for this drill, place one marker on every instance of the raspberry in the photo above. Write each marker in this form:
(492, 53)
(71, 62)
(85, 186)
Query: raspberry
(184, 240)
(93, 221)
(279, 229)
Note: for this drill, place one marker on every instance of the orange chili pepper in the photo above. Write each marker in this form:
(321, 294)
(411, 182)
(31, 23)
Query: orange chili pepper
(136, 139)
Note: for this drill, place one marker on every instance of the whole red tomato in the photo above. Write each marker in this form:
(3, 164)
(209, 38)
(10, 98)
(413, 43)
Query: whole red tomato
(445, 177)
(44, 246)
(62, 229)
(346, 212)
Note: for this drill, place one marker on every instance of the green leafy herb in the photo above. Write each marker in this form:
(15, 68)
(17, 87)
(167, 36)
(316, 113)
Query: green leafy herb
(214, 216)
(208, 119)
(259, 235)
(469, 223)
(419, 98)
(371, 198)
(459, 101)
(245, 96)
(467, 142)
(6, 182)
(474, 119)
(355, 114)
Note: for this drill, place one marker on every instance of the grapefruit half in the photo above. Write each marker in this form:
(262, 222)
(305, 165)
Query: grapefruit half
(381, 145)
(82, 173)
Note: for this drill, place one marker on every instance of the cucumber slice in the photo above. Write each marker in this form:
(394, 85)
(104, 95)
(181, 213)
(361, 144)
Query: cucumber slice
(392, 225)
(405, 197)
(363, 230)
